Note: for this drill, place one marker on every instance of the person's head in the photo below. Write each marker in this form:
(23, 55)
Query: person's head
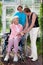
(15, 20)
(27, 11)
(19, 8)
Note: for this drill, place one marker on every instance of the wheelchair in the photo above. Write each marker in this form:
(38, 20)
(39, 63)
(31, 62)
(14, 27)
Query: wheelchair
(21, 46)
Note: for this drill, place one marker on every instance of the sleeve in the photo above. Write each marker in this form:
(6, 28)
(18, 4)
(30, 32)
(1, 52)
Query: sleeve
(20, 27)
(16, 13)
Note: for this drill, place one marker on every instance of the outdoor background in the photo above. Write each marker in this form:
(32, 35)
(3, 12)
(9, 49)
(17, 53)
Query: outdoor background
(8, 7)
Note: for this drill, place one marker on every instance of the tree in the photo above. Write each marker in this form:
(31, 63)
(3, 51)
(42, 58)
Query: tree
(41, 21)
(0, 16)
(41, 24)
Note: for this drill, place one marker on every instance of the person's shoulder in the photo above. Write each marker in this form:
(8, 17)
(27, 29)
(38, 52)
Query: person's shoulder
(17, 12)
(20, 25)
(34, 13)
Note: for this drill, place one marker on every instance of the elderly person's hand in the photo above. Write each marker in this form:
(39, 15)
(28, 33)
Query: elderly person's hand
(21, 33)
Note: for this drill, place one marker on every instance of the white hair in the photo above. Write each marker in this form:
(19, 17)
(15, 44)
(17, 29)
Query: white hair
(14, 17)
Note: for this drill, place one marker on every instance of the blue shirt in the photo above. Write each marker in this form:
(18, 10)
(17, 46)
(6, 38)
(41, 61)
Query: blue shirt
(22, 17)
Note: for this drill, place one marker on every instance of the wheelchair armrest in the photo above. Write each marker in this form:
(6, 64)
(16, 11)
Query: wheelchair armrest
(5, 35)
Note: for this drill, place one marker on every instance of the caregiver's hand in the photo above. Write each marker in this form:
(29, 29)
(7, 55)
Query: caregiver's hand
(25, 31)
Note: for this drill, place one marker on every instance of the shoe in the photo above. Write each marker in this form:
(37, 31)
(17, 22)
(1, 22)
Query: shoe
(30, 56)
(15, 58)
(34, 59)
(6, 58)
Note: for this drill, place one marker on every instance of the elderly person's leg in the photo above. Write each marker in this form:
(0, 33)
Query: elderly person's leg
(10, 43)
(16, 43)
(33, 38)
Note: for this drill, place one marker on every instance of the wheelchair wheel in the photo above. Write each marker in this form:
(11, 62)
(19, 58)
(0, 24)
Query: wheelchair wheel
(3, 51)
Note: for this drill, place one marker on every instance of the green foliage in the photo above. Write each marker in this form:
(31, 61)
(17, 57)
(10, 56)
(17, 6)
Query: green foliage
(41, 24)
(0, 16)
(0, 24)
(0, 9)
(39, 45)
(9, 10)
(41, 21)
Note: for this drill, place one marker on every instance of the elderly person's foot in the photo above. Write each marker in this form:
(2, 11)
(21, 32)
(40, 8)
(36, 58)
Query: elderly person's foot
(15, 58)
(6, 58)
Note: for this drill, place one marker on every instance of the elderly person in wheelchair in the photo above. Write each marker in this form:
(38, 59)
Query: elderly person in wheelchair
(21, 46)
(22, 21)
(14, 38)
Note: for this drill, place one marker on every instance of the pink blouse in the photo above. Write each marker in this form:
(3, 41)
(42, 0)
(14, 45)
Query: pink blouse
(15, 29)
